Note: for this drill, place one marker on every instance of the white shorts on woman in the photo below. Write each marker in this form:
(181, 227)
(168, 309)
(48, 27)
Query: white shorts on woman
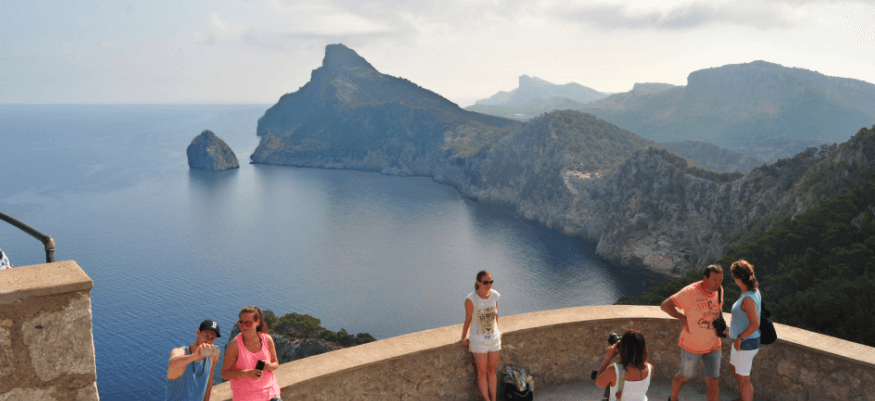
(742, 360)
(486, 344)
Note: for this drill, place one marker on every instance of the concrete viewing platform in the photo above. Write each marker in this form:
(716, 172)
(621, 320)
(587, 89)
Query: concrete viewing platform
(659, 390)
(560, 348)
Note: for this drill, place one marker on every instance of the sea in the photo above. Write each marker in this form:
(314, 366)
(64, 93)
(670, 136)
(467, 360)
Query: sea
(168, 247)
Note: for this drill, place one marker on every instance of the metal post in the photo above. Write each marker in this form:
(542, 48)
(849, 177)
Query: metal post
(45, 239)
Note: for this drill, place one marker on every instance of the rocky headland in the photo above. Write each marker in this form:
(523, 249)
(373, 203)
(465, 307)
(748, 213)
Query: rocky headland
(568, 170)
(209, 152)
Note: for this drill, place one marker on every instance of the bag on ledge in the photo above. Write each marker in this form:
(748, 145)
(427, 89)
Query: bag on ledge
(518, 386)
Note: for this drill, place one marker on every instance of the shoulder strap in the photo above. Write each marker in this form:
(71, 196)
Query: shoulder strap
(621, 380)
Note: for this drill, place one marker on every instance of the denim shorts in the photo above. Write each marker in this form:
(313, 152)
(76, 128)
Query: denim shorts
(689, 360)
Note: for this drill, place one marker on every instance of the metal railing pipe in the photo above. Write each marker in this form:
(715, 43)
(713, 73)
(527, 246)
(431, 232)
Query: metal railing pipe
(47, 241)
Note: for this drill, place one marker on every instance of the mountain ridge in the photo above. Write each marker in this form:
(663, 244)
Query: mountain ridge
(568, 170)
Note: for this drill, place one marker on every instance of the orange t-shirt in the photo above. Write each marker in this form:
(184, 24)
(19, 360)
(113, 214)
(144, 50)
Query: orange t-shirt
(700, 310)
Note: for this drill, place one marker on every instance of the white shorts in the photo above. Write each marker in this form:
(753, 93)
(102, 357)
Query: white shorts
(481, 346)
(742, 360)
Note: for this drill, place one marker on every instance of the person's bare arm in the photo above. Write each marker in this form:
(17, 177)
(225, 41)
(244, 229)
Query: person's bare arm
(469, 311)
(668, 306)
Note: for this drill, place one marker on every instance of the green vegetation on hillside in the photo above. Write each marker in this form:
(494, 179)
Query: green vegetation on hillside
(816, 272)
(295, 325)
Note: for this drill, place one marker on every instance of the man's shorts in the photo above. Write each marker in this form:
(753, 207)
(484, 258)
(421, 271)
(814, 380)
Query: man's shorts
(689, 360)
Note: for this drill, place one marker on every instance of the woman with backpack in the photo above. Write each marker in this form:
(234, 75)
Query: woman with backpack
(744, 328)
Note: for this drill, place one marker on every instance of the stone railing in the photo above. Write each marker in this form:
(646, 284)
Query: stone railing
(561, 347)
(46, 345)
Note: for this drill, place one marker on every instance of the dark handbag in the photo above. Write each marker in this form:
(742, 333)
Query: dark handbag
(512, 393)
(767, 329)
(719, 323)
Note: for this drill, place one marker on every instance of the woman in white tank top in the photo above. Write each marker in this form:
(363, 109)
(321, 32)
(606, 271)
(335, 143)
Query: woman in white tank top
(633, 359)
(481, 316)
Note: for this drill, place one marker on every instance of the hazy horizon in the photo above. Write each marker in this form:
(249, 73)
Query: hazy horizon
(254, 51)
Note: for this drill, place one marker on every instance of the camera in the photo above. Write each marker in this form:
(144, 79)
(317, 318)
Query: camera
(719, 325)
(613, 338)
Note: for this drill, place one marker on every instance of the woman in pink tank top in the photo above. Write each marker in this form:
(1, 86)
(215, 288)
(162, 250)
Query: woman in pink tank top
(252, 345)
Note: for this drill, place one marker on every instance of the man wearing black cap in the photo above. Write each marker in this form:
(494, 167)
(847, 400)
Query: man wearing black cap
(188, 377)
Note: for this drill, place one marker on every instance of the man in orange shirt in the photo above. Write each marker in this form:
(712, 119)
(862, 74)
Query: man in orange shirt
(701, 303)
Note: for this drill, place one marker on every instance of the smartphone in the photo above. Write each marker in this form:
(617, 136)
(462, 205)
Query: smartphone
(212, 350)
(259, 365)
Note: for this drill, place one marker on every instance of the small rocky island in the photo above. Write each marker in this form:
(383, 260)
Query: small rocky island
(209, 152)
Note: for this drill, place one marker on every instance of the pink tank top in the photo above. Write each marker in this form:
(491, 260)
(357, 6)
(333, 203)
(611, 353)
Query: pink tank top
(246, 389)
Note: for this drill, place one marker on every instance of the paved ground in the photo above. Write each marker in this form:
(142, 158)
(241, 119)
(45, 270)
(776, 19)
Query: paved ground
(659, 391)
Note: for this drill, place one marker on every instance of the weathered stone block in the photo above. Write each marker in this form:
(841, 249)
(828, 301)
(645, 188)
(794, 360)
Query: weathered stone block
(60, 342)
(7, 359)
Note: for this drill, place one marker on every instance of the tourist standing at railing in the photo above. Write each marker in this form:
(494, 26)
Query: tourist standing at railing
(4, 261)
(744, 328)
(633, 353)
(242, 357)
(484, 342)
(190, 369)
(701, 304)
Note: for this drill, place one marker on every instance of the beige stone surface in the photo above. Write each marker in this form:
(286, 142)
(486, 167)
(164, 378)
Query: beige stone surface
(60, 342)
(88, 393)
(7, 359)
(21, 394)
(32, 281)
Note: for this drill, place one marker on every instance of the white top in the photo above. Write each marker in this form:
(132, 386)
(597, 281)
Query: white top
(484, 325)
(632, 391)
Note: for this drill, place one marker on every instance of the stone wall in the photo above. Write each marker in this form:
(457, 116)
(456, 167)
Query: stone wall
(46, 345)
(561, 347)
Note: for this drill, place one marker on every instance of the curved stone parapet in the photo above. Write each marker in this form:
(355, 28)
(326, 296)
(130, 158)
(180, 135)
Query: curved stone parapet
(563, 346)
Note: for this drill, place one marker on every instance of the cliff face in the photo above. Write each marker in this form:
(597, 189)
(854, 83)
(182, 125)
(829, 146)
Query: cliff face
(567, 170)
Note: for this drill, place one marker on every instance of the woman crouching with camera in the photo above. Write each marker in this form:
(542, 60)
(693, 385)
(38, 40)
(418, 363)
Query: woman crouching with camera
(481, 308)
(744, 327)
(633, 359)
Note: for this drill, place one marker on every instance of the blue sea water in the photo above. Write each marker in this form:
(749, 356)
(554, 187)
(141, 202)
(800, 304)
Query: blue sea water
(167, 246)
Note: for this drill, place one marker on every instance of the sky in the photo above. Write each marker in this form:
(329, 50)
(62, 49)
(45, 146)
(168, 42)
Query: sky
(254, 51)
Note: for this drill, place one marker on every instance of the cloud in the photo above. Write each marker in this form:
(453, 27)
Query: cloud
(320, 19)
(678, 16)
(219, 30)
(859, 29)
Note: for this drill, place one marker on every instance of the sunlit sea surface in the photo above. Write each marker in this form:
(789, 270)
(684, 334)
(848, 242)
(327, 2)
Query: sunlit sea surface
(168, 247)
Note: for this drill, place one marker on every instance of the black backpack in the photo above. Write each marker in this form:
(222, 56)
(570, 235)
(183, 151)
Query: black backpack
(518, 386)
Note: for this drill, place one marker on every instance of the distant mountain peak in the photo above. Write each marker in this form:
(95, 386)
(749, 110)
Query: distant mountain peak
(339, 57)
(526, 80)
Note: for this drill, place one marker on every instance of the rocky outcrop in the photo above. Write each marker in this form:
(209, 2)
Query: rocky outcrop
(291, 349)
(294, 349)
(209, 152)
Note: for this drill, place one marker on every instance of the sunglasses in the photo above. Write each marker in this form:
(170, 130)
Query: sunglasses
(246, 324)
(486, 282)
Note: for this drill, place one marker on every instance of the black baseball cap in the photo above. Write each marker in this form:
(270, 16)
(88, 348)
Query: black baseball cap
(210, 325)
